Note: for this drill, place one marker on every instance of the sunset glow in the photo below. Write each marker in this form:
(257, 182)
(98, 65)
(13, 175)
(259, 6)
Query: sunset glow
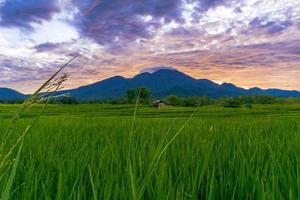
(246, 42)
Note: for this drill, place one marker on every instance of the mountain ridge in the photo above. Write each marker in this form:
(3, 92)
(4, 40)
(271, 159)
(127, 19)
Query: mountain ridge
(10, 94)
(162, 83)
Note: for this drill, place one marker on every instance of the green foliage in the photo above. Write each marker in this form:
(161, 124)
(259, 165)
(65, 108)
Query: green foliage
(264, 99)
(131, 95)
(196, 101)
(16, 101)
(7, 190)
(188, 101)
(248, 105)
(231, 103)
(81, 152)
(291, 100)
(247, 101)
(61, 99)
(119, 101)
(145, 98)
(192, 101)
(173, 100)
(13, 136)
(144, 94)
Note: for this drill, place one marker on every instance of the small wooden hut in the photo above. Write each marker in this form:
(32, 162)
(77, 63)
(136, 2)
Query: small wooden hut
(159, 104)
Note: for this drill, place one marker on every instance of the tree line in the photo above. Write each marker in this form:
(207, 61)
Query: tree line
(144, 96)
(230, 102)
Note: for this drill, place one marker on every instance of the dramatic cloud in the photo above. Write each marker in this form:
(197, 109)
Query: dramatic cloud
(271, 26)
(120, 21)
(48, 46)
(247, 42)
(22, 13)
(115, 23)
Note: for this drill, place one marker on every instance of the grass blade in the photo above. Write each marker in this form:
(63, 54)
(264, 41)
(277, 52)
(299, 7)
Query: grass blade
(93, 185)
(6, 193)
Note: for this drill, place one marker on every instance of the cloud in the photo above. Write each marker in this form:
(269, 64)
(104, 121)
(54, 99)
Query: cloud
(22, 13)
(154, 69)
(222, 40)
(118, 22)
(279, 27)
(270, 26)
(113, 22)
(48, 46)
(295, 50)
(261, 22)
(204, 5)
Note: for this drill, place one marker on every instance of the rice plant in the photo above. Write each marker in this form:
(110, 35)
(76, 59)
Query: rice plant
(11, 141)
(81, 152)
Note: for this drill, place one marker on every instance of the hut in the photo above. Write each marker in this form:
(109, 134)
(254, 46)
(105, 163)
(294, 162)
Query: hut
(159, 104)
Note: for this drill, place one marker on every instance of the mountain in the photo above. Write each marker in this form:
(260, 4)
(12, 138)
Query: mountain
(162, 83)
(166, 82)
(275, 92)
(9, 94)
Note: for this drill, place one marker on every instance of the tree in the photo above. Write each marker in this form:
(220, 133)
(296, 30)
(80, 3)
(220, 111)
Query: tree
(231, 103)
(248, 105)
(130, 95)
(61, 99)
(119, 101)
(173, 100)
(264, 99)
(144, 94)
(192, 101)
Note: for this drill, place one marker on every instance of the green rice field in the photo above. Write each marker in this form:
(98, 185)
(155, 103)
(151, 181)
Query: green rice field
(107, 152)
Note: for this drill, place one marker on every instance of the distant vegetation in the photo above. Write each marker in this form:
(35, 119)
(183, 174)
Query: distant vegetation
(162, 83)
(16, 101)
(174, 100)
(232, 102)
(145, 98)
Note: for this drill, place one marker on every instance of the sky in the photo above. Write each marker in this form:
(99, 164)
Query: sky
(251, 43)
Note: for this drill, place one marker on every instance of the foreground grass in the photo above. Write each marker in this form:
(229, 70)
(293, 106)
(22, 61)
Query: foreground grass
(81, 152)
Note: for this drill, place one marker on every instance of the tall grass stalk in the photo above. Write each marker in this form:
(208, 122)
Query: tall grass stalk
(52, 82)
(46, 91)
(133, 181)
(95, 195)
(159, 153)
(138, 185)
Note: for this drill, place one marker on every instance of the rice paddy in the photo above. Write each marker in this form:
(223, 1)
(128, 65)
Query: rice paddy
(97, 152)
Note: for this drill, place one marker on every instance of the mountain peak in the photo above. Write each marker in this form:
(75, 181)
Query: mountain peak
(171, 73)
(163, 81)
(228, 85)
(117, 77)
(10, 94)
(163, 74)
(143, 74)
(155, 69)
(255, 89)
(166, 71)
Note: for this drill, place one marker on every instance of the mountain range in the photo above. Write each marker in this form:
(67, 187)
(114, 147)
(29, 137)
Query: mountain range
(162, 83)
(9, 94)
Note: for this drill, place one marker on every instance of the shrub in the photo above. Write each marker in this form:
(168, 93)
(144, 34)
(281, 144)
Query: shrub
(232, 103)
